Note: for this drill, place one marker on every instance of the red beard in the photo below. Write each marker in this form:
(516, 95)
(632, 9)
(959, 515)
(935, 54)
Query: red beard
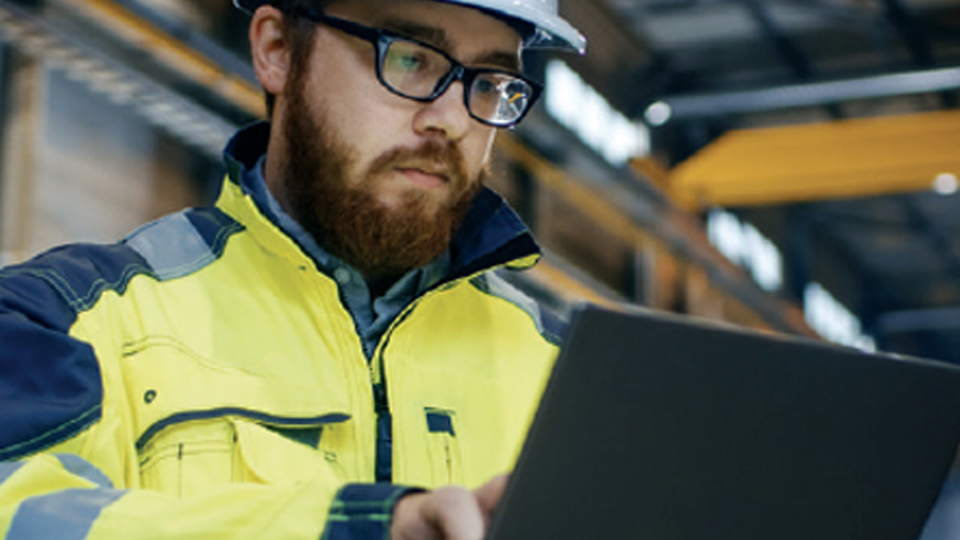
(348, 220)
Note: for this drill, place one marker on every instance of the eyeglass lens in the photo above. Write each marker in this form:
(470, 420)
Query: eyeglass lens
(498, 98)
(417, 71)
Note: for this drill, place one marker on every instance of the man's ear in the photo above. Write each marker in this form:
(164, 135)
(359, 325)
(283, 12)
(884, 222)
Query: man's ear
(269, 49)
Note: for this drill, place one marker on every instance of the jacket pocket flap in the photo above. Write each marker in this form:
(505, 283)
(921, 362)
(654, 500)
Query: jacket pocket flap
(271, 455)
(168, 384)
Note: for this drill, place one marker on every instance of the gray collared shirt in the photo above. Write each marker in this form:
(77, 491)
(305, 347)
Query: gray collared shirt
(372, 316)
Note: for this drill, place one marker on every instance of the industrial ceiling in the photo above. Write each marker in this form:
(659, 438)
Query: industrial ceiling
(725, 65)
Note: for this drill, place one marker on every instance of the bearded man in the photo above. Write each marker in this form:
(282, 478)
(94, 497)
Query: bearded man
(326, 351)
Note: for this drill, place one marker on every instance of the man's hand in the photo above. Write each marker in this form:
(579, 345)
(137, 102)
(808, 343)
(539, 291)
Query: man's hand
(448, 513)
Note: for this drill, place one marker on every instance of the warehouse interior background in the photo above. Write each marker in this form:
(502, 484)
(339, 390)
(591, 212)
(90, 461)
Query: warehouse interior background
(790, 166)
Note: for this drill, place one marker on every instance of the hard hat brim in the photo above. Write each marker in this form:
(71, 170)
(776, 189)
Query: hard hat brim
(551, 31)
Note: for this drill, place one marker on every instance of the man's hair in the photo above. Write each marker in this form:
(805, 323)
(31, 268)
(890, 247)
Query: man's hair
(298, 33)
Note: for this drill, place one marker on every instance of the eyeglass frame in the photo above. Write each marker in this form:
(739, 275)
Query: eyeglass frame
(381, 39)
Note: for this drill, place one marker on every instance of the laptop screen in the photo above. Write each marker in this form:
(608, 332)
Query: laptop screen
(658, 427)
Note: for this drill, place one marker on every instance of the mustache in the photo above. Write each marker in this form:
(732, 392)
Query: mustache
(433, 156)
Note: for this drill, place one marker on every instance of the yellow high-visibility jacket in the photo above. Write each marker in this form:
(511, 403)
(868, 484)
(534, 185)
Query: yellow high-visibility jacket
(201, 379)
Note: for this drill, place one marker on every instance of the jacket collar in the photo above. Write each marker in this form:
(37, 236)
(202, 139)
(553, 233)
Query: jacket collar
(492, 234)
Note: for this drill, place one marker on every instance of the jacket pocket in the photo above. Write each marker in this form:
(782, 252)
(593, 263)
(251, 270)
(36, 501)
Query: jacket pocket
(201, 423)
(443, 447)
(198, 455)
(190, 457)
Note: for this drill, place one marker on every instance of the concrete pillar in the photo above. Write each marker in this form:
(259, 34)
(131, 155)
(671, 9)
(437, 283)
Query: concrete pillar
(22, 88)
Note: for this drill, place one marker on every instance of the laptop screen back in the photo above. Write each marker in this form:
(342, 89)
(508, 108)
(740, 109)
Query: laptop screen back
(660, 428)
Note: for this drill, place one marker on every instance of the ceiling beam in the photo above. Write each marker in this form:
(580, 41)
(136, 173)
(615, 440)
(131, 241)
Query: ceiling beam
(915, 37)
(911, 31)
(691, 106)
(182, 50)
(791, 54)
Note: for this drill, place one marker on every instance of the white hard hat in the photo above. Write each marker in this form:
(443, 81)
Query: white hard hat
(550, 31)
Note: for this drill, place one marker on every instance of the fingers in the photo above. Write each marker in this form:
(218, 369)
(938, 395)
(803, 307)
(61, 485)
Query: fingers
(408, 521)
(456, 513)
(449, 513)
(489, 495)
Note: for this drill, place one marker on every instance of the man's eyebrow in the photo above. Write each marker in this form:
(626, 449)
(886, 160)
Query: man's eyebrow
(429, 34)
(438, 38)
(508, 61)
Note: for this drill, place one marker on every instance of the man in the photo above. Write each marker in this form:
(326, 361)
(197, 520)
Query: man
(314, 353)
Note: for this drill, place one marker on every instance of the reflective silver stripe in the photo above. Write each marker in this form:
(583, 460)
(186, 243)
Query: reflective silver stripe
(171, 259)
(64, 515)
(83, 468)
(7, 468)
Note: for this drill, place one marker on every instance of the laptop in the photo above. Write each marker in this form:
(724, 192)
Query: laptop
(657, 427)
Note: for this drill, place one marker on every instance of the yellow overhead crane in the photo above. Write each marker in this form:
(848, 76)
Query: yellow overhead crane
(834, 160)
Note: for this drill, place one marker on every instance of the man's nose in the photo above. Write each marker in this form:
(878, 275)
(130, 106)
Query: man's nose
(447, 115)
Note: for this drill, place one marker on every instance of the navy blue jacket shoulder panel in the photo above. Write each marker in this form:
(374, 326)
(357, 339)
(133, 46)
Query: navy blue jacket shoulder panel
(50, 386)
(50, 383)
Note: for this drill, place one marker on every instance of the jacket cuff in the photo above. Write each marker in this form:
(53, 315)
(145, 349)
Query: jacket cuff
(364, 511)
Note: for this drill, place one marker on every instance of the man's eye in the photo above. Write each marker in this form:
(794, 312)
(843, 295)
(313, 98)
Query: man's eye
(410, 62)
(484, 86)
(408, 58)
(407, 62)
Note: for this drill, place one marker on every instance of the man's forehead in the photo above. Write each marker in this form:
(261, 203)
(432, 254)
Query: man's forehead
(438, 37)
(441, 24)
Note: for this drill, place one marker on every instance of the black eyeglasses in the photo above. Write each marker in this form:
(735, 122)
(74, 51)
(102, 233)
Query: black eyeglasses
(422, 72)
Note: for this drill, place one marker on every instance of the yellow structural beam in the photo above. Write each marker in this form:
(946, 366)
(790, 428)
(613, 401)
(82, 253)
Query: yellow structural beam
(842, 159)
(172, 52)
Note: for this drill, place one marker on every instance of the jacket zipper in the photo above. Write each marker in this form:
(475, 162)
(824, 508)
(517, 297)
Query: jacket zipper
(381, 404)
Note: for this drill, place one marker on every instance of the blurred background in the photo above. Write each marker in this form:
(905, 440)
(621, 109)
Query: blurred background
(790, 166)
(787, 165)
